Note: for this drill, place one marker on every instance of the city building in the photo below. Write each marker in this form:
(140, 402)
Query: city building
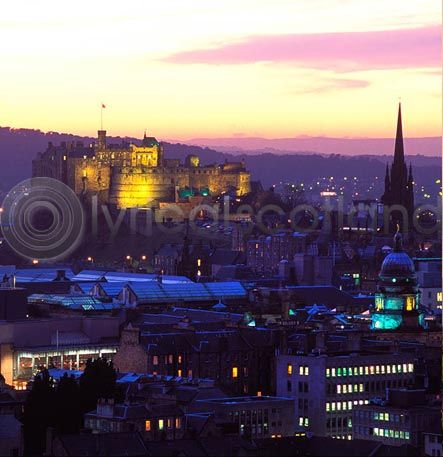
(428, 272)
(235, 355)
(327, 387)
(28, 345)
(253, 416)
(402, 418)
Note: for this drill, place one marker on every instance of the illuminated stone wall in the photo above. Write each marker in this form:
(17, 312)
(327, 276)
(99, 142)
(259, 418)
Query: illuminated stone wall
(131, 175)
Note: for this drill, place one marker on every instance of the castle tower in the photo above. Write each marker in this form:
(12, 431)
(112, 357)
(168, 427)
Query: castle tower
(399, 187)
(397, 299)
(101, 137)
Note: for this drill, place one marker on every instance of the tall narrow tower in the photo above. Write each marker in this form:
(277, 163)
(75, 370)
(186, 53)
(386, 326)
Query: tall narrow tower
(398, 185)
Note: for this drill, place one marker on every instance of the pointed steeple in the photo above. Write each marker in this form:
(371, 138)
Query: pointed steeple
(399, 153)
(410, 177)
(387, 179)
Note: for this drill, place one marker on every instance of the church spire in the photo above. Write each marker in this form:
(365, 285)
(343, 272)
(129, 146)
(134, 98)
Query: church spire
(387, 180)
(399, 154)
(410, 177)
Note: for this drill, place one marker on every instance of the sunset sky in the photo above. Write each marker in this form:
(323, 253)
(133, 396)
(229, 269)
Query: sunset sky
(199, 68)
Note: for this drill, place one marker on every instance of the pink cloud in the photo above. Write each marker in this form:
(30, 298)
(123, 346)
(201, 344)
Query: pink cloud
(335, 84)
(350, 51)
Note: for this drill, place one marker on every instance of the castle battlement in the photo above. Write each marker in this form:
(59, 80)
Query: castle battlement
(130, 175)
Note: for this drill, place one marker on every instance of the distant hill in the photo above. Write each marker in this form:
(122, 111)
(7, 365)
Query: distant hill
(19, 146)
(428, 146)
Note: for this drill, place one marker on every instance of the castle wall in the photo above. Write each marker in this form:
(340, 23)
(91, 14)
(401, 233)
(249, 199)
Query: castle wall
(130, 176)
(140, 186)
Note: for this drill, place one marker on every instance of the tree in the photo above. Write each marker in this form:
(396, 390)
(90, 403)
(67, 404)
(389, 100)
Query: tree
(97, 381)
(39, 414)
(67, 405)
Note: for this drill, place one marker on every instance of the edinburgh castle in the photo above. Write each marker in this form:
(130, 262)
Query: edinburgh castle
(127, 175)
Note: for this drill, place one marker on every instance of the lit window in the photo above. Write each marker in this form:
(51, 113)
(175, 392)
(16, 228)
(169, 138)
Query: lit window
(388, 369)
(345, 389)
(371, 369)
(328, 372)
(338, 371)
(178, 422)
(328, 407)
(349, 405)
(382, 368)
(360, 370)
(234, 372)
(179, 359)
(344, 406)
(366, 370)
(154, 360)
(289, 369)
(410, 303)
(439, 296)
(377, 369)
(179, 373)
(333, 372)
(306, 424)
(399, 369)
(199, 262)
(161, 424)
(300, 421)
(169, 422)
(259, 393)
(345, 371)
(405, 368)
(333, 406)
(148, 426)
(410, 367)
(361, 387)
(375, 431)
(338, 406)
(339, 388)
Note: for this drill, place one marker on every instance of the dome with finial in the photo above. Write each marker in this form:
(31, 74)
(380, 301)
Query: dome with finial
(397, 264)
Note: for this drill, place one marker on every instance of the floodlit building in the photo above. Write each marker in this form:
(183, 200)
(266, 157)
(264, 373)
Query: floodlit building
(401, 419)
(327, 387)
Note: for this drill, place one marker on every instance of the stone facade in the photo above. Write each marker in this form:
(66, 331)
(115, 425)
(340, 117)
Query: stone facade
(127, 175)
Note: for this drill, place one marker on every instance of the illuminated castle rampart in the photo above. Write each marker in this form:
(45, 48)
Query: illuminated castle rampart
(127, 175)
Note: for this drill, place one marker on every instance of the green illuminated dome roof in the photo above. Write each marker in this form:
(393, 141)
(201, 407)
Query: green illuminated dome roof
(397, 264)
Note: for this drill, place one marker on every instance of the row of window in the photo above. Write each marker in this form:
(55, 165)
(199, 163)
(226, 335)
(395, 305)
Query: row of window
(369, 370)
(344, 405)
(388, 417)
(169, 359)
(349, 388)
(161, 424)
(389, 433)
(399, 418)
(339, 422)
(303, 370)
